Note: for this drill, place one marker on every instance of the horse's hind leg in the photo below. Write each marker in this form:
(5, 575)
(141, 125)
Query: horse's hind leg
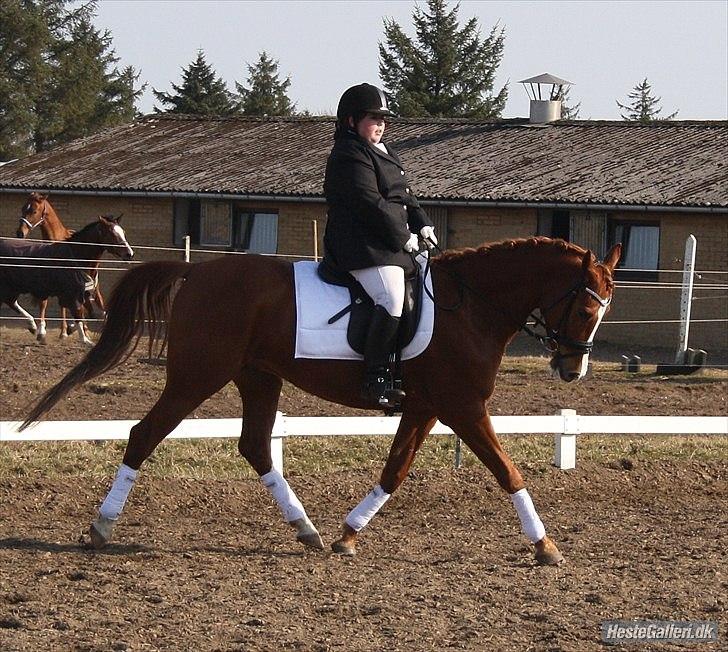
(15, 306)
(414, 426)
(176, 402)
(260, 392)
(41, 336)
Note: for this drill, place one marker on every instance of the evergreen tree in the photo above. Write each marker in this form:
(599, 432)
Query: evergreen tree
(267, 94)
(447, 71)
(568, 112)
(644, 107)
(58, 78)
(86, 91)
(201, 92)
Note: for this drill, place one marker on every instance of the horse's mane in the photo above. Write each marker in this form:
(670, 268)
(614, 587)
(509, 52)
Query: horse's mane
(504, 245)
(77, 236)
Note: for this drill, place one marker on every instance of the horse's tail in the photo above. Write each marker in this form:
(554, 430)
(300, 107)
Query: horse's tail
(141, 299)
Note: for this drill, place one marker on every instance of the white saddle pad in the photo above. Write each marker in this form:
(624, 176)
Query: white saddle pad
(317, 302)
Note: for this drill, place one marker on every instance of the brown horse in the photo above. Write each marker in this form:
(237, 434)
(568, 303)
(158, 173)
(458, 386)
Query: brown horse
(60, 269)
(37, 212)
(233, 319)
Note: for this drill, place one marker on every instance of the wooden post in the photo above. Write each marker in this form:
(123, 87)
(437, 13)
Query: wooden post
(314, 224)
(686, 299)
(565, 442)
(187, 248)
(276, 442)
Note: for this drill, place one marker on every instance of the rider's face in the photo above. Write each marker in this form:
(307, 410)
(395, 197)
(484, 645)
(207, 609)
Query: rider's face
(371, 128)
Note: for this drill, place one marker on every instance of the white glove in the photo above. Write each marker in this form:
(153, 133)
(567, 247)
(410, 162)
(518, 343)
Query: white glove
(428, 235)
(413, 244)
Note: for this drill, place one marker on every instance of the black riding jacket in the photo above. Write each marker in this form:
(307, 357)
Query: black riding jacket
(371, 209)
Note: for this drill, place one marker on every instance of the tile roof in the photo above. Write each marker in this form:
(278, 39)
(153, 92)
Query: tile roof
(676, 163)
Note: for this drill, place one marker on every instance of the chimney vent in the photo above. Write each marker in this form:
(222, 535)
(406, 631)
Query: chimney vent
(545, 101)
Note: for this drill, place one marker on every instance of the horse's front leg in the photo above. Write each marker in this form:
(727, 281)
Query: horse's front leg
(479, 435)
(414, 426)
(78, 315)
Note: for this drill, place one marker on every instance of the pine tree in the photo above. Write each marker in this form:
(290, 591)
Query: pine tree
(644, 107)
(25, 38)
(201, 92)
(447, 71)
(58, 78)
(267, 95)
(86, 92)
(568, 112)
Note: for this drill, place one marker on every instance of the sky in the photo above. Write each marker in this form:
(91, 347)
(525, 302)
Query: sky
(604, 48)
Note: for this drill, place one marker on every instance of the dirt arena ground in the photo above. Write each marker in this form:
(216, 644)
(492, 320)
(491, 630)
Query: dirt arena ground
(204, 562)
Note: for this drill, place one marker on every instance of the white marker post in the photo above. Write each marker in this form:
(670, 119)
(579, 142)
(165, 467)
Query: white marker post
(686, 299)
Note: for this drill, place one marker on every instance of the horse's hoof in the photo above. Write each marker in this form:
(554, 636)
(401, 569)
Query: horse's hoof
(312, 540)
(41, 339)
(97, 539)
(32, 330)
(100, 532)
(547, 554)
(307, 534)
(341, 547)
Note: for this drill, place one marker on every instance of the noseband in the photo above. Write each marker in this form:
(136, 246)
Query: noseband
(38, 223)
(554, 337)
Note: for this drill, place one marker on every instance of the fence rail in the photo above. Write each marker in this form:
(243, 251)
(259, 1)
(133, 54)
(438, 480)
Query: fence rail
(565, 427)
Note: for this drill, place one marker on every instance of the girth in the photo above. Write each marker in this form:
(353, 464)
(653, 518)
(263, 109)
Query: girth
(361, 307)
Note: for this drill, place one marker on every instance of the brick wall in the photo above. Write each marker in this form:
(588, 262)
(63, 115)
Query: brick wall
(149, 222)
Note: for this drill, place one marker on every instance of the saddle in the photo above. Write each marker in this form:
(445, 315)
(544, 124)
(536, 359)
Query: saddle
(362, 307)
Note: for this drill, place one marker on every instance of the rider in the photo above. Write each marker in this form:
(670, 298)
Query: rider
(373, 225)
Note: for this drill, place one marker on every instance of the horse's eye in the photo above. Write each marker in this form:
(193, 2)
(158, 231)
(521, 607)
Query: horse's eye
(583, 314)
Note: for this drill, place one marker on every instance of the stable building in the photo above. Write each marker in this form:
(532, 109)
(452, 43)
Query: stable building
(255, 184)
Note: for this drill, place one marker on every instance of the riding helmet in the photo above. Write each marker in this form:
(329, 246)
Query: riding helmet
(363, 98)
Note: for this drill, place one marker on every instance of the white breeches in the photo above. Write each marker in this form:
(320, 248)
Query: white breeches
(385, 285)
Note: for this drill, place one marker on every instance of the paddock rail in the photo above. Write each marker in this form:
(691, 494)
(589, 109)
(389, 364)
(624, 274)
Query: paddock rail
(565, 427)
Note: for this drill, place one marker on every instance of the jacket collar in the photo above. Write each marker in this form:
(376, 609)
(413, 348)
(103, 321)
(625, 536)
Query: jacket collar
(389, 154)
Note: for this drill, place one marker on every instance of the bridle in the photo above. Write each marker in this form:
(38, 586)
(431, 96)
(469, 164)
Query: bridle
(38, 223)
(551, 338)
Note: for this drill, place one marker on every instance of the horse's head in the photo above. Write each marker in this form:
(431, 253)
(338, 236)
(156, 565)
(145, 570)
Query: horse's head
(112, 236)
(32, 214)
(572, 312)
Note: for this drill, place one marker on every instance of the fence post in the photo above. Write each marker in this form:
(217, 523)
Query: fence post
(187, 248)
(276, 442)
(686, 299)
(314, 224)
(565, 441)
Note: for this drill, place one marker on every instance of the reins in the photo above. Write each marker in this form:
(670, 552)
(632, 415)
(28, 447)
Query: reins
(550, 339)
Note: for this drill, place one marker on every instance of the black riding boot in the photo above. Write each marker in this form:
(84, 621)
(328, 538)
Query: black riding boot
(380, 344)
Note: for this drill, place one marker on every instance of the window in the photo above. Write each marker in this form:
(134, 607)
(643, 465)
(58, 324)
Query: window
(586, 228)
(640, 249)
(223, 225)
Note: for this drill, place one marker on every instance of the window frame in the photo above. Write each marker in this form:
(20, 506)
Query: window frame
(632, 275)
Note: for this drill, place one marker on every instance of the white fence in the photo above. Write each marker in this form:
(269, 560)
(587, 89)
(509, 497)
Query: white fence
(564, 426)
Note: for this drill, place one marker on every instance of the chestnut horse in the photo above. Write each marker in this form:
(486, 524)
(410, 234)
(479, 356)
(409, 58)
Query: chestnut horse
(37, 212)
(234, 318)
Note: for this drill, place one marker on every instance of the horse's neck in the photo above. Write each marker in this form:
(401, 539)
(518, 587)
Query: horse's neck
(52, 227)
(506, 283)
(85, 250)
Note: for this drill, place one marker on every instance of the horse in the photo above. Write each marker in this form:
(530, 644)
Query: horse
(234, 319)
(60, 269)
(36, 212)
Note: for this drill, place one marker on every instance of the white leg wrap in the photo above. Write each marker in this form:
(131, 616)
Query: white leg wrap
(531, 524)
(288, 502)
(119, 492)
(360, 516)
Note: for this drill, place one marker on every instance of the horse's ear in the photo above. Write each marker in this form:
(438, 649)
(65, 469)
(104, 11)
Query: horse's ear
(613, 256)
(587, 261)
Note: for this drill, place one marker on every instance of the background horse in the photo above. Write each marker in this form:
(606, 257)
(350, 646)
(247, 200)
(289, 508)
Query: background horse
(233, 319)
(60, 269)
(37, 212)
